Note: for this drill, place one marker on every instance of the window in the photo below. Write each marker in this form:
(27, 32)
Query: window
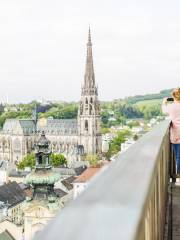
(86, 125)
(90, 109)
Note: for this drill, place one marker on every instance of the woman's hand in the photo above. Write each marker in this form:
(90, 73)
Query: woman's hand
(165, 100)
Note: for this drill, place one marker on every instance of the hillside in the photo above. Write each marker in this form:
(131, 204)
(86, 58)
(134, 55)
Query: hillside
(154, 96)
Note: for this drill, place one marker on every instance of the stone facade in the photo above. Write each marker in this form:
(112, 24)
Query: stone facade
(70, 137)
(36, 218)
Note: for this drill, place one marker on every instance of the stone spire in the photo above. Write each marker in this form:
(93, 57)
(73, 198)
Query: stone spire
(89, 78)
(89, 119)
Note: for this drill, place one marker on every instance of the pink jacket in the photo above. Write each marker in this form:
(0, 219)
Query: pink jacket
(174, 113)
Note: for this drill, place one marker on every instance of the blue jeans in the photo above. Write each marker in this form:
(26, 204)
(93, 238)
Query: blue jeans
(176, 148)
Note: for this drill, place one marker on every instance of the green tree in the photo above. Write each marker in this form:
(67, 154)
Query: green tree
(105, 130)
(115, 144)
(58, 160)
(27, 161)
(151, 111)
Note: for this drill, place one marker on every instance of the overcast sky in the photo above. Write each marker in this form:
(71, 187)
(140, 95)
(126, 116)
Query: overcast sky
(136, 47)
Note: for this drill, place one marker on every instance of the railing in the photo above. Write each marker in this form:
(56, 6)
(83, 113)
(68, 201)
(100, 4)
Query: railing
(125, 202)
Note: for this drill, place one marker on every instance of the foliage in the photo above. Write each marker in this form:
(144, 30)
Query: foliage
(128, 111)
(152, 111)
(115, 144)
(133, 124)
(65, 111)
(58, 160)
(12, 114)
(105, 130)
(93, 160)
(27, 161)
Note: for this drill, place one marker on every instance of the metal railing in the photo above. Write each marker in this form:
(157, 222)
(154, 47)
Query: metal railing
(127, 201)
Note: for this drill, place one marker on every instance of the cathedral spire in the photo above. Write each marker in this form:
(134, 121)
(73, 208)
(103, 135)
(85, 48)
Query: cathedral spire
(89, 37)
(89, 119)
(89, 78)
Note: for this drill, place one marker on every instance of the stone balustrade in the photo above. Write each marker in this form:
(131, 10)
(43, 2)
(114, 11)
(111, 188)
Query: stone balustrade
(127, 201)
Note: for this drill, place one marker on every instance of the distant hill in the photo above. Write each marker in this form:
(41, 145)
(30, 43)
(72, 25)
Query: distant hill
(154, 96)
(138, 106)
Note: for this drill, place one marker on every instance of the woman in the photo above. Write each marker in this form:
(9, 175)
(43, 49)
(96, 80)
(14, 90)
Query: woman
(173, 111)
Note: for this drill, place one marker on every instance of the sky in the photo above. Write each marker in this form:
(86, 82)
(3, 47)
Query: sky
(136, 47)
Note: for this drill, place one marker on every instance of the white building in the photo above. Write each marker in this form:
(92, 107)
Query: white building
(83, 180)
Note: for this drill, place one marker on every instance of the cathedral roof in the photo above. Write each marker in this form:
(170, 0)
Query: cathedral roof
(19, 126)
(52, 126)
(59, 127)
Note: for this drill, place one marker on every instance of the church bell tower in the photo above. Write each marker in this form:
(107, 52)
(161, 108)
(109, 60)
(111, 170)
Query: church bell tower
(89, 108)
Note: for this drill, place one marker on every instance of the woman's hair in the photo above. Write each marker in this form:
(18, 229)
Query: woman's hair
(176, 94)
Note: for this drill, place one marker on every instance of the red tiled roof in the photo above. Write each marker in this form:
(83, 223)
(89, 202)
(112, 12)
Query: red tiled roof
(87, 174)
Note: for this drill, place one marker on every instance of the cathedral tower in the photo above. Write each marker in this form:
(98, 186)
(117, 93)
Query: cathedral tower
(89, 109)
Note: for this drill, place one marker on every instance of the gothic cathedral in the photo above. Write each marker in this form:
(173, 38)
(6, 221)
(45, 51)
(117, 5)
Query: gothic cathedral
(70, 137)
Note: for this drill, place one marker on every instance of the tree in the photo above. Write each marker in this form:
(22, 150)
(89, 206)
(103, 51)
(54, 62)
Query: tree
(27, 161)
(105, 130)
(115, 144)
(58, 160)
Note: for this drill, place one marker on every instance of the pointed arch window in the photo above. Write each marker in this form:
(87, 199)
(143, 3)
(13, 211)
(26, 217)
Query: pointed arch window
(90, 109)
(86, 125)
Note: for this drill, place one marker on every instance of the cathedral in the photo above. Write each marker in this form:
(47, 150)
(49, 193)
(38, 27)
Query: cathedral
(71, 137)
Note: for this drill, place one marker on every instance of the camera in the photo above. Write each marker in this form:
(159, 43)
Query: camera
(170, 99)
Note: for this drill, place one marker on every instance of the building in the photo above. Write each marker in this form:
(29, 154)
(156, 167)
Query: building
(81, 182)
(45, 201)
(89, 109)
(13, 197)
(71, 137)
